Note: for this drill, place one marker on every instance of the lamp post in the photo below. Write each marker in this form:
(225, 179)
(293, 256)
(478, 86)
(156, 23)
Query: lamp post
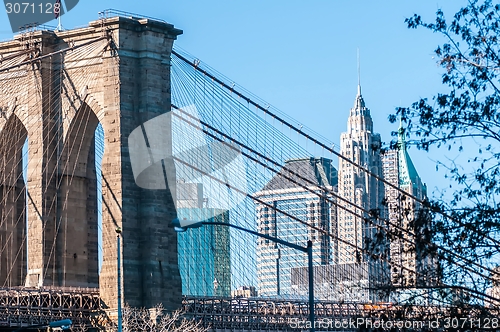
(119, 277)
(183, 225)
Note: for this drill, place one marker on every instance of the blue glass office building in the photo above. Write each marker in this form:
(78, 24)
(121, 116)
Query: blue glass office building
(204, 255)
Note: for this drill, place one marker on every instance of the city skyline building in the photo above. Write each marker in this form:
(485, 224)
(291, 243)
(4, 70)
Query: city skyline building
(349, 274)
(356, 228)
(244, 291)
(362, 146)
(494, 290)
(275, 262)
(204, 253)
(411, 263)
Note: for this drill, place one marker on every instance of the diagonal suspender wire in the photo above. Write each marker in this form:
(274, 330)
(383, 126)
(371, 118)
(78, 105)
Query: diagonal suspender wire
(291, 179)
(324, 146)
(51, 106)
(184, 98)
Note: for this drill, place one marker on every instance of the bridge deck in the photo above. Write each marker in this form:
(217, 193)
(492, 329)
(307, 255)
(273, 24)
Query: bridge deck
(272, 314)
(23, 307)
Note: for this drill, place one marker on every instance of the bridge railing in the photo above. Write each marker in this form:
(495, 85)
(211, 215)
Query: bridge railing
(108, 13)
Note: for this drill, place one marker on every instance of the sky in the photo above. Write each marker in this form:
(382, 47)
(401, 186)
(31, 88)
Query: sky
(301, 56)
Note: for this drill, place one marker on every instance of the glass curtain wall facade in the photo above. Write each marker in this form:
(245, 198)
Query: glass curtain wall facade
(204, 254)
(275, 262)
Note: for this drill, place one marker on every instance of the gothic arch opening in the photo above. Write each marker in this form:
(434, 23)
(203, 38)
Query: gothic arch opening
(12, 203)
(77, 224)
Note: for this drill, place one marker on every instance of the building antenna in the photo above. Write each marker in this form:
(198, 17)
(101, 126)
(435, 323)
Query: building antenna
(359, 76)
(359, 71)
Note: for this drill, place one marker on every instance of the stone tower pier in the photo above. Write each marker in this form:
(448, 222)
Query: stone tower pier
(55, 89)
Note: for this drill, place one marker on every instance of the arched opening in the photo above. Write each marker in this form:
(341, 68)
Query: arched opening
(77, 223)
(12, 203)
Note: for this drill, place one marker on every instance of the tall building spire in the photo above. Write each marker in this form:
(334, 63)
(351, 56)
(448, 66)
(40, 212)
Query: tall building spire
(401, 135)
(359, 76)
(359, 116)
(359, 103)
(361, 144)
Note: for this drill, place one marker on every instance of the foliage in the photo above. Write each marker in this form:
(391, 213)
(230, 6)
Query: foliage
(464, 119)
(156, 320)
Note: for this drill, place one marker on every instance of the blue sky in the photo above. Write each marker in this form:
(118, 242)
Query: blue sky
(300, 56)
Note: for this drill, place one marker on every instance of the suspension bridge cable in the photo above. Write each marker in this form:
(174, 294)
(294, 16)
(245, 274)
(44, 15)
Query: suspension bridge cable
(299, 131)
(450, 252)
(187, 98)
(323, 189)
(288, 214)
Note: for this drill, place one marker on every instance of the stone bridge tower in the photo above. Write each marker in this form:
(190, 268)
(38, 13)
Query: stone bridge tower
(55, 88)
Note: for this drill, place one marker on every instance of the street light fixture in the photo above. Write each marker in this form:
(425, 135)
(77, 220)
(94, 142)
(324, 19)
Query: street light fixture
(183, 225)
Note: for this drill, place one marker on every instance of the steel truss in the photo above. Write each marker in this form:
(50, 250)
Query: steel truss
(24, 307)
(280, 315)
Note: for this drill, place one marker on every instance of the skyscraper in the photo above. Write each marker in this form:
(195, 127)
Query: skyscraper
(362, 146)
(204, 256)
(353, 275)
(204, 253)
(357, 215)
(286, 192)
(411, 264)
